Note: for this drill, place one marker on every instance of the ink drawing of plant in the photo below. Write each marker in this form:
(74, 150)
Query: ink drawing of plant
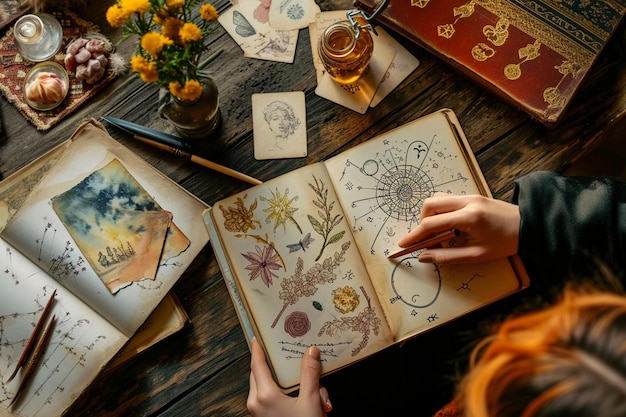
(365, 322)
(305, 285)
(328, 221)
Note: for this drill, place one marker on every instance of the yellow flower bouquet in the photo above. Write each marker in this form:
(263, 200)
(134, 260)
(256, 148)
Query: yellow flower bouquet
(172, 40)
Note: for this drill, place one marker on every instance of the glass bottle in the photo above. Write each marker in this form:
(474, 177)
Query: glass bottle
(345, 51)
(38, 37)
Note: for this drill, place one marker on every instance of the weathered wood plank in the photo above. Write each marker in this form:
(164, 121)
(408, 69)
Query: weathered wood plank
(203, 370)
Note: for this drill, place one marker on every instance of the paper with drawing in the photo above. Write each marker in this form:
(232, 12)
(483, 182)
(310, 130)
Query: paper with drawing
(117, 226)
(37, 231)
(292, 248)
(73, 356)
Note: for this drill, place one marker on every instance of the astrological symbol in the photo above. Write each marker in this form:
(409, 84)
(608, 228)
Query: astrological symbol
(432, 318)
(394, 299)
(414, 312)
(349, 186)
(370, 219)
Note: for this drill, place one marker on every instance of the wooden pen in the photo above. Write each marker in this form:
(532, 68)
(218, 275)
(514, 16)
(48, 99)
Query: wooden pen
(33, 337)
(176, 146)
(199, 160)
(31, 366)
(432, 241)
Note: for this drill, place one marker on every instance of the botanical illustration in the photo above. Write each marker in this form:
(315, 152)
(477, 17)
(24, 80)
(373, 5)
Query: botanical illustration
(280, 209)
(240, 219)
(365, 322)
(305, 285)
(296, 263)
(327, 220)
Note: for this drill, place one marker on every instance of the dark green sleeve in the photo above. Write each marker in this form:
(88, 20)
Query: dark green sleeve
(568, 221)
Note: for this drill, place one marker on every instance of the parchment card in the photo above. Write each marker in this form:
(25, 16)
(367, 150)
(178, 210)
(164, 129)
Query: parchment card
(292, 14)
(403, 64)
(255, 36)
(279, 124)
(358, 96)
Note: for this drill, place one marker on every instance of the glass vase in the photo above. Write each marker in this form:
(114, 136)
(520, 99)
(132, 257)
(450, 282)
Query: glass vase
(194, 119)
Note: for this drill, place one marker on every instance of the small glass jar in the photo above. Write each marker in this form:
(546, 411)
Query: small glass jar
(345, 51)
(38, 37)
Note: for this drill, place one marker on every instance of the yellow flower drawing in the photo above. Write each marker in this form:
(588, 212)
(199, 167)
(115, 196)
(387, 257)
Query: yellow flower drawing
(345, 299)
(280, 209)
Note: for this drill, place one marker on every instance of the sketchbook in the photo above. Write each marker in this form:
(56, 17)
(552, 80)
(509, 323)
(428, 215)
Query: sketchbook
(305, 255)
(87, 188)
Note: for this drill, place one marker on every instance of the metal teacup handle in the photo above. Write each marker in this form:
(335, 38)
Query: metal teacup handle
(357, 17)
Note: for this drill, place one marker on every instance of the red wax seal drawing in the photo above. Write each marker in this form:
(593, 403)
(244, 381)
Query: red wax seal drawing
(297, 324)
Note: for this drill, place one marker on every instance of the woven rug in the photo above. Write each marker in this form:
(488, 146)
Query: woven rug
(15, 68)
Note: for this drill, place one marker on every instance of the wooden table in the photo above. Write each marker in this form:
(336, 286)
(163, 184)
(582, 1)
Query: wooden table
(204, 369)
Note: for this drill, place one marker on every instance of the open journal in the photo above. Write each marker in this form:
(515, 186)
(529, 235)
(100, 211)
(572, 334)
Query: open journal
(305, 255)
(111, 235)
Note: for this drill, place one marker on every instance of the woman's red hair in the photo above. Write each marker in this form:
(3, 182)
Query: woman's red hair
(565, 360)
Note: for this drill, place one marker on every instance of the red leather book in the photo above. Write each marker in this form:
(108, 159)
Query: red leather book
(532, 53)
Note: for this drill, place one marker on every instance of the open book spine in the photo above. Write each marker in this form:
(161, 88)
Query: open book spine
(229, 279)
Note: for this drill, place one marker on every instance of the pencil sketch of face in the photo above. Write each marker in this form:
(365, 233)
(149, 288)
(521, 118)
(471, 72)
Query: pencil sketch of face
(281, 119)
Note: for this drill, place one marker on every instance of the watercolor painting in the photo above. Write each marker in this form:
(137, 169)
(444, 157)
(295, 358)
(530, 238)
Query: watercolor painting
(118, 227)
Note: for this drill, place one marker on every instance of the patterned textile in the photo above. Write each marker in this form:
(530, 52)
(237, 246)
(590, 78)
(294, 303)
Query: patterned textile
(15, 68)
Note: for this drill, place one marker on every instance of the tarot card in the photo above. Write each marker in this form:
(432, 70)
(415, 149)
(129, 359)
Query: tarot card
(279, 123)
(256, 39)
(292, 14)
(403, 64)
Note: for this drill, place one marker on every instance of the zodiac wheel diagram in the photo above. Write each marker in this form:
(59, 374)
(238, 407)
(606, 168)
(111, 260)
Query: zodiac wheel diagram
(401, 191)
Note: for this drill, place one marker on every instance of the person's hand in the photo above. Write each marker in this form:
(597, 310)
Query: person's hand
(266, 399)
(489, 228)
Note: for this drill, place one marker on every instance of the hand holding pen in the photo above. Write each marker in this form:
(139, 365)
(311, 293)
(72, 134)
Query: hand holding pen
(489, 229)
